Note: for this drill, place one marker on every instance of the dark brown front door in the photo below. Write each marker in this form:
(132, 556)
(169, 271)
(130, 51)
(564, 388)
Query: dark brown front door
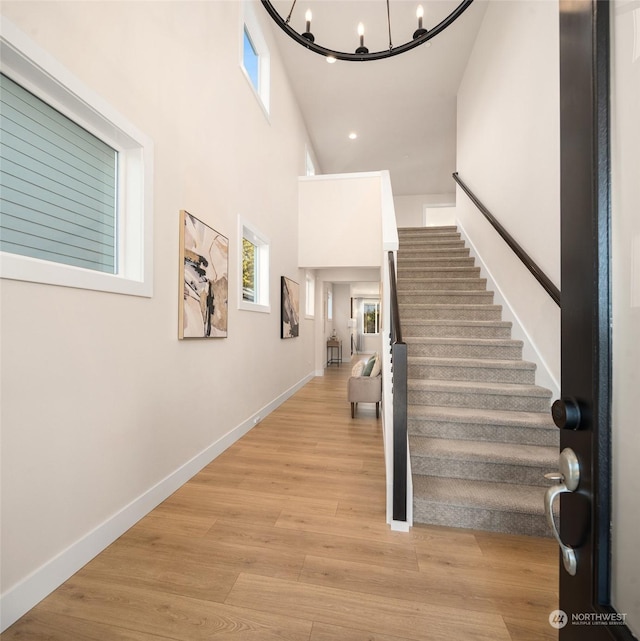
(584, 413)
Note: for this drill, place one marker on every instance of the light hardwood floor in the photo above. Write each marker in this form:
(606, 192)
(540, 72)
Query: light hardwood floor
(283, 537)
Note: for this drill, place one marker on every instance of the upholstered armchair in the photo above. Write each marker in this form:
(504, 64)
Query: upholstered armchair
(365, 385)
(365, 389)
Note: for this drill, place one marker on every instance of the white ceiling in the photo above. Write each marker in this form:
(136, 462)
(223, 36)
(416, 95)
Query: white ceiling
(403, 108)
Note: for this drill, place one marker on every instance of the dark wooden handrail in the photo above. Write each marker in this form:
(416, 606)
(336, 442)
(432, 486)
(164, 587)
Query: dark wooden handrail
(538, 274)
(399, 366)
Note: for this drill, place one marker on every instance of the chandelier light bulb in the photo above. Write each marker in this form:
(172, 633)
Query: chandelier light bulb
(420, 31)
(307, 32)
(361, 49)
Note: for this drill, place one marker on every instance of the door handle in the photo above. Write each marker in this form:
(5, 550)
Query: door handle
(568, 479)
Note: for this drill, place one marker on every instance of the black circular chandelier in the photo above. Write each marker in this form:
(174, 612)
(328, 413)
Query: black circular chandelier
(362, 53)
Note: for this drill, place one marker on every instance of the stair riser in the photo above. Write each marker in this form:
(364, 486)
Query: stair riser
(480, 374)
(430, 243)
(454, 331)
(450, 313)
(481, 432)
(501, 352)
(406, 285)
(429, 252)
(480, 471)
(480, 519)
(511, 402)
(449, 298)
(451, 273)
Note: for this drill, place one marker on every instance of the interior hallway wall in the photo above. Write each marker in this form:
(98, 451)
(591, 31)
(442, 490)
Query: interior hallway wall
(508, 153)
(410, 209)
(101, 402)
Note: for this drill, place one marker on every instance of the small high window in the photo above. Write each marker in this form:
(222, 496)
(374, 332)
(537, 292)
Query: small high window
(255, 58)
(251, 60)
(310, 168)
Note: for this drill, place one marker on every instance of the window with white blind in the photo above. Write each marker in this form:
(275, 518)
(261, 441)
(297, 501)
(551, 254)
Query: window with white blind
(76, 179)
(58, 185)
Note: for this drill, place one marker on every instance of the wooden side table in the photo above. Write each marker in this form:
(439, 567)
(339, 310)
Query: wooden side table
(334, 347)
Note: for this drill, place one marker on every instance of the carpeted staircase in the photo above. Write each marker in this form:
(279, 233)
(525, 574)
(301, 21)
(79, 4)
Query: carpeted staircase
(480, 432)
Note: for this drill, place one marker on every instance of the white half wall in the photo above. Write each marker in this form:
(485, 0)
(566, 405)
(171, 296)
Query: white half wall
(104, 410)
(508, 153)
(340, 220)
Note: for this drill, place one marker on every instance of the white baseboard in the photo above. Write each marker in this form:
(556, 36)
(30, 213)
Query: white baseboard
(19, 599)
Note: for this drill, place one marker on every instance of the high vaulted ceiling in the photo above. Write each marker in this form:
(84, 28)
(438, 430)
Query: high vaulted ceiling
(402, 108)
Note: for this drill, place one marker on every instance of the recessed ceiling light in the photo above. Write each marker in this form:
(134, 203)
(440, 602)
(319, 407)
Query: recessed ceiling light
(353, 135)
(331, 59)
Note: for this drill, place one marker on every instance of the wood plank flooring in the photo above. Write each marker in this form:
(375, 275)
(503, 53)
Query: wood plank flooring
(283, 537)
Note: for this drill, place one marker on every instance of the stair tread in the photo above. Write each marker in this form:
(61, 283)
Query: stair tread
(484, 451)
(479, 387)
(505, 497)
(458, 306)
(493, 363)
(435, 322)
(454, 273)
(428, 228)
(540, 420)
(463, 340)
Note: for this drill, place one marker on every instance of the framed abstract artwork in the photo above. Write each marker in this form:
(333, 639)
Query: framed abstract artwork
(290, 308)
(204, 280)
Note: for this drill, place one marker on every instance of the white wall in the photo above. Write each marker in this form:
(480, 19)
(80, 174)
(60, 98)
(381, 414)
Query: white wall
(508, 154)
(410, 209)
(100, 401)
(340, 220)
(341, 315)
(625, 202)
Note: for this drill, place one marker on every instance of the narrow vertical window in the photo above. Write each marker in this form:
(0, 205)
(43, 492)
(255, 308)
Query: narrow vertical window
(255, 60)
(251, 60)
(371, 317)
(310, 295)
(249, 284)
(310, 168)
(254, 267)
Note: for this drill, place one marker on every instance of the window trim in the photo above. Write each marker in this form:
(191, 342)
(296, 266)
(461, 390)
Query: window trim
(262, 93)
(262, 243)
(37, 71)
